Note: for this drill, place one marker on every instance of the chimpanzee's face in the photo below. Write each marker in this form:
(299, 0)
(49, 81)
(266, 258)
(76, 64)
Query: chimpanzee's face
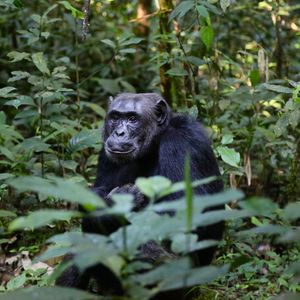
(131, 124)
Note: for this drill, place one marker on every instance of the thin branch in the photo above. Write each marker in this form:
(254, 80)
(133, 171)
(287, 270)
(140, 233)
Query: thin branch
(85, 24)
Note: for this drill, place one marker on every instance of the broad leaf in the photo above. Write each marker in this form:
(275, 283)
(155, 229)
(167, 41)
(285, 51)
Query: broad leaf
(228, 155)
(74, 11)
(6, 213)
(224, 4)
(261, 206)
(207, 35)
(182, 9)
(292, 211)
(153, 187)
(18, 56)
(84, 139)
(58, 187)
(48, 293)
(41, 218)
(5, 92)
(278, 88)
(40, 62)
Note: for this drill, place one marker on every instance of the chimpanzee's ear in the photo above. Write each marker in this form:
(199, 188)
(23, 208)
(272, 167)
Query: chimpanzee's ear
(161, 112)
(110, 100)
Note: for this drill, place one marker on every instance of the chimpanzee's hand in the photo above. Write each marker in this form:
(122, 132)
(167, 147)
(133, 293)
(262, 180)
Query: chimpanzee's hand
(140, 201)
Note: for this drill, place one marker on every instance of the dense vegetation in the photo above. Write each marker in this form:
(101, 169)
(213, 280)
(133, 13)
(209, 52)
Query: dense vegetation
(233, 64)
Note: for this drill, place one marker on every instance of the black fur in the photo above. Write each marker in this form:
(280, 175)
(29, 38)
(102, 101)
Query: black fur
(179, 136)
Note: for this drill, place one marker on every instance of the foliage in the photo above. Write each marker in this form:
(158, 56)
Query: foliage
(234, 64)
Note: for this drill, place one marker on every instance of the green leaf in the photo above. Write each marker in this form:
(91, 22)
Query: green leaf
(177, 71)
(227, 139)
(281, 125)
(110, 85)
(224, 4)
(110, 43)
(269, 229)
(254, 77)
(34, 144)
(20, 100)
(196, 61)
(16, 282)
(69, 164)
(228, 155)
(169, 278)
(213, 217)
(58, 187)
(7, 153)
(36, 18)
(203, 11)
(18, 75)
(40, 62)
(5, 92)
(48, 293)
(6, 213)
(77, 14)
(18, 56)
(182, 9)
(84, 139)
(132, 41)
(292, 211)
(278, 88)
(127, 50)
(261, 206)
(18, 3)
(4, 176)
(202, 202)
(207, 35)
(294, 118)
(153, 186)
(95, 107)
(41, 218)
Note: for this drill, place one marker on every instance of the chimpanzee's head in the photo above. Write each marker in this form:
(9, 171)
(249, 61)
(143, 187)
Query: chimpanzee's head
(132, 123)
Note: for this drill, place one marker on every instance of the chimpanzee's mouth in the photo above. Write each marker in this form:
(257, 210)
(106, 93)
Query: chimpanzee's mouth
(119, 152)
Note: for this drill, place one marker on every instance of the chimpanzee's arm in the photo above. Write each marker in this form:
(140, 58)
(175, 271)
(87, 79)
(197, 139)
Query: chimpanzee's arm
(111, 179)
(188, 138)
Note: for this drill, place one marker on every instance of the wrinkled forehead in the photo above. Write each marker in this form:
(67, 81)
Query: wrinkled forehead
(130, 104)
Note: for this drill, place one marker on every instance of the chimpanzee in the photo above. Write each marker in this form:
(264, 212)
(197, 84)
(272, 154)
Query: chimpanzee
(143, 137)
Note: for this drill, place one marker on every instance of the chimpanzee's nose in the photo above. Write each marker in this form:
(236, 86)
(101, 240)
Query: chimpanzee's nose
(119, 132)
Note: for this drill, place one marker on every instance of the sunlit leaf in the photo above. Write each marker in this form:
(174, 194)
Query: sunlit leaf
(224, 4)
(16, 282)
(6, 92)
(18, 56)
(40, 62)
(74, 11)
(207, 35)
(228, 155)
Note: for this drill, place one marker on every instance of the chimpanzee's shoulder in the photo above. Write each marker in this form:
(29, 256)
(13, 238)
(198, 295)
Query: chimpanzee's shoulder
(183, 126)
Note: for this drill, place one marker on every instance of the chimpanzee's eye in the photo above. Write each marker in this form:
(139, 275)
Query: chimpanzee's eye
(114, 117)
(132, 119)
